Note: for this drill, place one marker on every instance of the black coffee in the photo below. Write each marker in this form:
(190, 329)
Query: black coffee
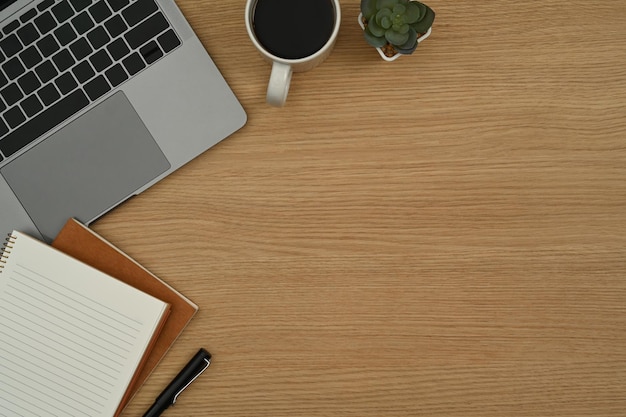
(293, 29)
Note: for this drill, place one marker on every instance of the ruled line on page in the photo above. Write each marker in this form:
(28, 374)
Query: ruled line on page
(62, 349)
(39, 364)
(36, 383)
(42, 320)
(88, 303)
(67, 308)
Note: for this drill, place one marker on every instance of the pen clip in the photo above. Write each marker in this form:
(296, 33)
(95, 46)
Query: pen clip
(208, 362)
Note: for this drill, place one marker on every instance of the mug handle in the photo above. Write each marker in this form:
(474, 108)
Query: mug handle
(278, 86)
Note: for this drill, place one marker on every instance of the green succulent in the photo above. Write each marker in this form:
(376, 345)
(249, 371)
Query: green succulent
(396, 22)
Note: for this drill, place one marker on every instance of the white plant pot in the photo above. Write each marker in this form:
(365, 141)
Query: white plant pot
(396, 56)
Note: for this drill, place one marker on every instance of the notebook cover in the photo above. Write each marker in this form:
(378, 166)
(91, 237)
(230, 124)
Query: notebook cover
(82, 243)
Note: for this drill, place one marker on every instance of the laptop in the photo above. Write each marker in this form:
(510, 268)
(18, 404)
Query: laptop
(99, 100)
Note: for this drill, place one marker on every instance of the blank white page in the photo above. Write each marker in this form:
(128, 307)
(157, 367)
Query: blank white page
(71, 336)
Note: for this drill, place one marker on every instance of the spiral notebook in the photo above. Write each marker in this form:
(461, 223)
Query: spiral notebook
(84, 244)
(72, 336)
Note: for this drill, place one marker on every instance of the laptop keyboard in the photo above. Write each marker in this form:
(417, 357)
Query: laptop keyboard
(60, 56)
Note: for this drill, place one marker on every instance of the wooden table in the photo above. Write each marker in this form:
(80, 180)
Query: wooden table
(444, 235)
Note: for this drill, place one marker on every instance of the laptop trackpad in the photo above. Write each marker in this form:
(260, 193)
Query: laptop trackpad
(86, 168)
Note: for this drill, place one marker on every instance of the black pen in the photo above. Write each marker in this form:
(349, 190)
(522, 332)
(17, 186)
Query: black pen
(185, 377)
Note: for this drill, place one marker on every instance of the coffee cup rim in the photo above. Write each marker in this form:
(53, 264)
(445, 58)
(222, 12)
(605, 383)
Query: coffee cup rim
(248, 16)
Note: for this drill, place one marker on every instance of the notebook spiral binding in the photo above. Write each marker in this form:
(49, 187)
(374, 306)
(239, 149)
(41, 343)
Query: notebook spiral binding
(5, 250)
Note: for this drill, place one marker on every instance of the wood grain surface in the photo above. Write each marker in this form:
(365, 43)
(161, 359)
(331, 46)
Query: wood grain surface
(444, 235)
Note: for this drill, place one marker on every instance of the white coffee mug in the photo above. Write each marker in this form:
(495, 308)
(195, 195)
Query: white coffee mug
(282, 68)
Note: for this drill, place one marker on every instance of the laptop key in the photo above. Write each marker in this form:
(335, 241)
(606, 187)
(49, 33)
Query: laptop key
(29, 82)
(45, 23)
(3, 81)
(66, 83)
(138, 11)
(43, 122)
(30, 57)
(117, 5)
(11, 27)
(81, 49)
(168, 41)
(31, 105)
(145, 31)
(13, 68)
(14, 117)
(151, 52)
(28, 15)
(80, 4)
(100, 11)
(45, 4)
(63, 60)
(28, 34)
(115, 26)
(48, 94)
(62, 11)
(98, 37)
(11, 94)
(83, 72)
(133, 63)
(47, 46)
(118, 49)
(97, 87)
(82, 23)
(46, 71)
(10, 45)
(100, 60)
(116, 75)
(65, 34)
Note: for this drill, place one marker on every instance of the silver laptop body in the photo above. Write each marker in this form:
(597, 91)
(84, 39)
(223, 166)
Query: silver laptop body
(155, 101)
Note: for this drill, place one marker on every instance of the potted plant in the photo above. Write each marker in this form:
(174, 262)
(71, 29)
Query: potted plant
(395, 27)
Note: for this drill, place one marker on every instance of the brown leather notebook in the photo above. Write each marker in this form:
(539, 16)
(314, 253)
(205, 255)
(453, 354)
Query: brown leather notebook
(82, 243)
